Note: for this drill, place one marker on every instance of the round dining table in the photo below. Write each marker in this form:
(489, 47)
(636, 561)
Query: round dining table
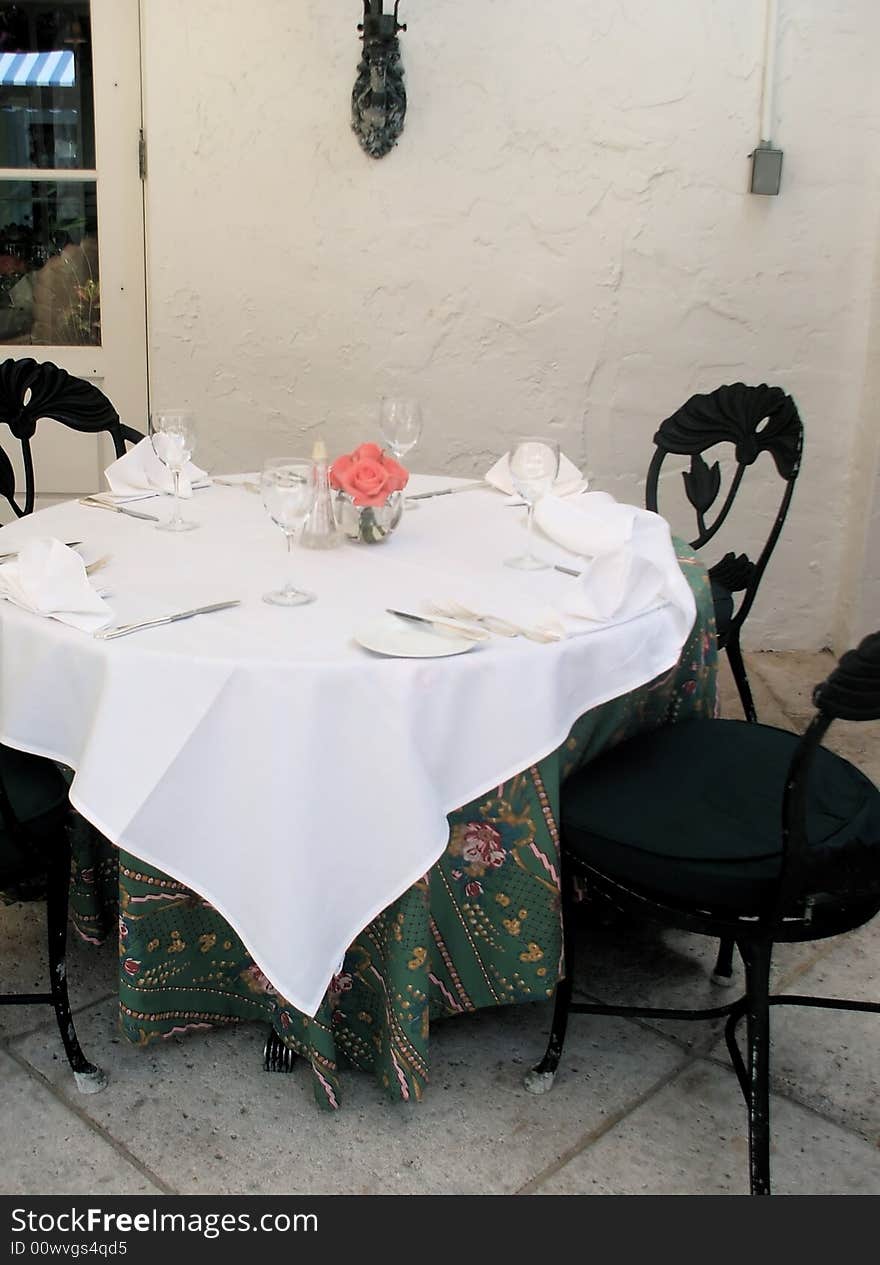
(291, 793)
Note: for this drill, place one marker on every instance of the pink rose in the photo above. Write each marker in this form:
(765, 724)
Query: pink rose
(368, 475)
(130, 966)
(473, 889)
(482, 843)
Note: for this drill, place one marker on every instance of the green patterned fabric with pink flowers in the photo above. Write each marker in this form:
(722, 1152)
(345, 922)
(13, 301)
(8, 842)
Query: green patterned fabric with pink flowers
(481, 929)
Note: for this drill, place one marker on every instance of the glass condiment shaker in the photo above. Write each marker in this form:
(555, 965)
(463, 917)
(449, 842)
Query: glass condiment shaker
(320, 530)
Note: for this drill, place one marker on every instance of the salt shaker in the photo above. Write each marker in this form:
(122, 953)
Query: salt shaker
(321, 530)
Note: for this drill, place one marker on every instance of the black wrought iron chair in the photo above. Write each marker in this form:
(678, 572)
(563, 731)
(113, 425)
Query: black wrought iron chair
(755, 420)
(34, 806)
(775, 840)
(35, 858)
(31, 391)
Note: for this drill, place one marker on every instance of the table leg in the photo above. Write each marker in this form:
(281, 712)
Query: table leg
(277, 1057)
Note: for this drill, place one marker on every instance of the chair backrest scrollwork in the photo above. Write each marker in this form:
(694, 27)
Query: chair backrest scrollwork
(31, 391)
(754, 419)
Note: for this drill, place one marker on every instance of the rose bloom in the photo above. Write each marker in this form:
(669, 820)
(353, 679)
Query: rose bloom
(368, 475)
(482, 843)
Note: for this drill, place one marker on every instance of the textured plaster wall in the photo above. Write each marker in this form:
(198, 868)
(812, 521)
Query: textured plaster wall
(859, 605)
(561, 242)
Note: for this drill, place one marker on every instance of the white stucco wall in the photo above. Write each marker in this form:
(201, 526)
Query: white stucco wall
(562, 239)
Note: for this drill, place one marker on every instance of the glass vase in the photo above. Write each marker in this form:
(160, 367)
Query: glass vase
(368, 524)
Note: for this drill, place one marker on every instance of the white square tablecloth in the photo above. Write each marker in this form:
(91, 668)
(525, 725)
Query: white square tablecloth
(263, 740)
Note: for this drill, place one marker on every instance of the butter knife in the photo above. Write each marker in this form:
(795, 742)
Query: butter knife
(122, 630)
(118, 509)
(469, 634)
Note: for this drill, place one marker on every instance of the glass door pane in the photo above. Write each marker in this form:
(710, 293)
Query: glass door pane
(49, 279)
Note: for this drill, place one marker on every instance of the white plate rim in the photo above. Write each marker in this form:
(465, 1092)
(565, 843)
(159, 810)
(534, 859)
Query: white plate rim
(436, 645)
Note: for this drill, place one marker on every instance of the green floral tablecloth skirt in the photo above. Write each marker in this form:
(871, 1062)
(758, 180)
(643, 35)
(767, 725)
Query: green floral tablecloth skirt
(482, 928)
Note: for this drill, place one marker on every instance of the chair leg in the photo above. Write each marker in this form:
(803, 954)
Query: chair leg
(89, 1079)
(757, 962)
(723, 971)
(541, 1077)
(734, 656)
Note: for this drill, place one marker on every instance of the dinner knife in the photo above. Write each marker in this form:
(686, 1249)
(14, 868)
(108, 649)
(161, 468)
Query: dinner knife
(118, 509)
(122, 630)
(461, 487)
(7, 557)
(469, 634)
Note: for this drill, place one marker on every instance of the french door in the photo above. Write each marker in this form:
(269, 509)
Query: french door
(71, 213)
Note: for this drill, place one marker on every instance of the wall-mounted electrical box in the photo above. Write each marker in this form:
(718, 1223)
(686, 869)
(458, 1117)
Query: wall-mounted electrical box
(766, 170)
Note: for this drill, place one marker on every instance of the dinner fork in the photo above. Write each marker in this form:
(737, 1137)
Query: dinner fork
(97, 564)
(493, 623)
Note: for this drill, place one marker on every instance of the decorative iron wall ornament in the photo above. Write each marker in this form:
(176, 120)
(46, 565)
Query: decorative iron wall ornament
(378, 100)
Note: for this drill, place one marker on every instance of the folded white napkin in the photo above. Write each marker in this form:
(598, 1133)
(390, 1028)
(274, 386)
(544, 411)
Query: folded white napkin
(629, 567)
(140, 471)
(568, 482)
(48, 578)
(593, 524)
(616, 586)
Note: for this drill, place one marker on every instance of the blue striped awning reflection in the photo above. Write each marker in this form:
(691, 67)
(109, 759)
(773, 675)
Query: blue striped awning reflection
(37, 70)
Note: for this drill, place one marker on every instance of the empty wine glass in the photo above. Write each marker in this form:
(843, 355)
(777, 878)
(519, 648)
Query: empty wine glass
(400, 425)
(534, 465)
(173, 436)
(289, 487)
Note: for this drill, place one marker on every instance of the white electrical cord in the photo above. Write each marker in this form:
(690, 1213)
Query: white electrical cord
(770, 39)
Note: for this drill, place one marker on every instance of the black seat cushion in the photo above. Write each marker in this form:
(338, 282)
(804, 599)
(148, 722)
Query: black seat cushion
(722, 600)
(37, 792)
(691, 814)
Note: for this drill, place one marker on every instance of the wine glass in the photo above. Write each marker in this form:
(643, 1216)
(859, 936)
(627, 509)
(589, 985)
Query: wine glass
(173, 436)
(534, 465)
(400, 425)
(289, 488)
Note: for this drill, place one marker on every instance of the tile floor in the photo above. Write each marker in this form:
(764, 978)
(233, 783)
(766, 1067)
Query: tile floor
(637, 1107)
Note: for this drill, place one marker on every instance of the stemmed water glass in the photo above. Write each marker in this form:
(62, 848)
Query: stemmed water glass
(534, 465)
(289, 487)
(400, 424)
(173, 436)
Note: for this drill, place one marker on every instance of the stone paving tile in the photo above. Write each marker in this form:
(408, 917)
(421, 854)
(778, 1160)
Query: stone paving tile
(830, 1059)
(791, 677)
(48, 1150)
(91, 970)
(636, 963)
(691, 1138)
(200, 1112)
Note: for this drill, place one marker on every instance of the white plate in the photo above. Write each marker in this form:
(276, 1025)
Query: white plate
(386, 634)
